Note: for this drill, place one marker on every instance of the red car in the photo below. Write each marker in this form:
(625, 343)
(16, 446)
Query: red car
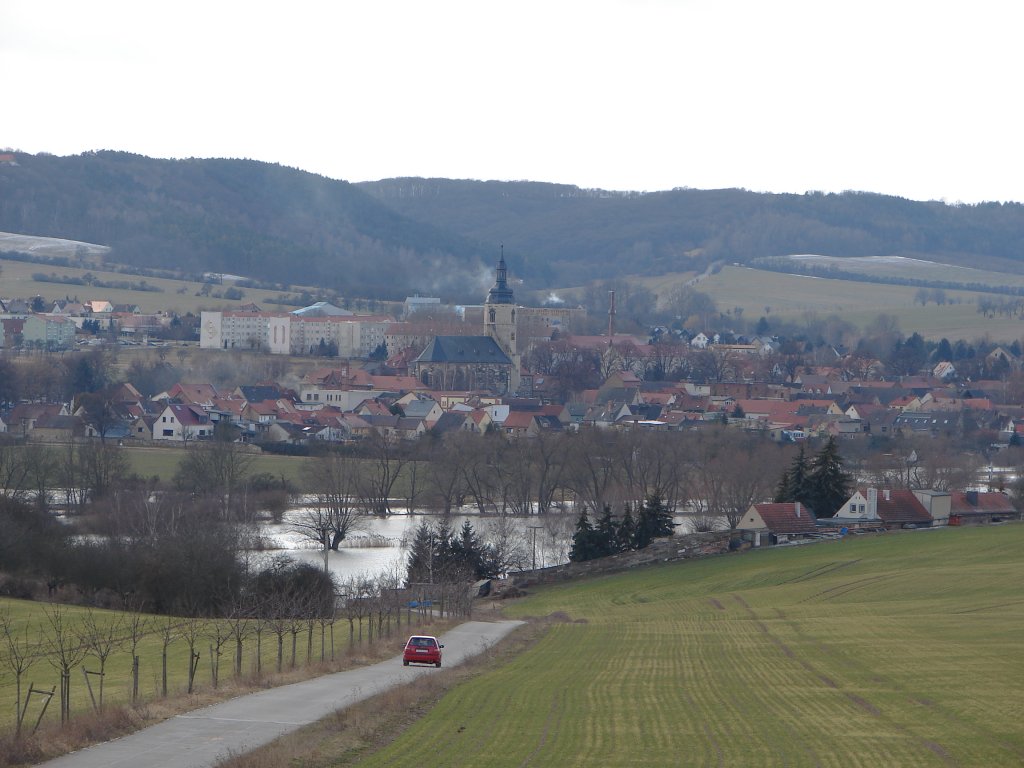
(422, 649)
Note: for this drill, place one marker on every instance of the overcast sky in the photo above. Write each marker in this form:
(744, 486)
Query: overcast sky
(917, 99)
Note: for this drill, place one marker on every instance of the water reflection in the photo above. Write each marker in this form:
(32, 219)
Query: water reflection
(550, 544)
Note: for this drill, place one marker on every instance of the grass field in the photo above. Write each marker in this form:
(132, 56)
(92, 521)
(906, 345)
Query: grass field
(793, 296)
(901, 650)
(177, 295)
(163, 463)
(899, 267)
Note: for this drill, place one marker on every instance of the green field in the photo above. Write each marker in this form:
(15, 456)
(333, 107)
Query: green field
(900, 268)
(177, 295)
(900, 650)
(794, 296)
(162, 463)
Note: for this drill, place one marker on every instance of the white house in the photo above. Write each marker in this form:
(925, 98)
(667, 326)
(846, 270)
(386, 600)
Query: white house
(182, 422)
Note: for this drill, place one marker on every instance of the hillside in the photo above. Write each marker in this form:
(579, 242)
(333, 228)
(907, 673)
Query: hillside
(390, 238)
(253, 219)
(614, 233)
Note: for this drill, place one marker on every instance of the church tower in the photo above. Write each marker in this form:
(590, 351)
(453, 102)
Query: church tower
(500, 319)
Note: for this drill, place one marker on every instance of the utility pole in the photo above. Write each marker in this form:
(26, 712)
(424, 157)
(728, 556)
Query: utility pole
(533, 531)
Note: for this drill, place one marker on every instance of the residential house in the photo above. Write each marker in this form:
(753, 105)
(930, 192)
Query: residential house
(181, 422)
(777, 523)
(889, 508)
(57, 428)
(24, 417)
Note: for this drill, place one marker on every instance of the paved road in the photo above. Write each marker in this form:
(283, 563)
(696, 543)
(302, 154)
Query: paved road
(202, 737)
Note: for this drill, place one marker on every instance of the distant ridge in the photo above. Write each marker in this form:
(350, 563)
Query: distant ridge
(440, 237)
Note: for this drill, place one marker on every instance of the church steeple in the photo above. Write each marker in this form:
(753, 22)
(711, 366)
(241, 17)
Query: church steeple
(501, 293)
(500, 319)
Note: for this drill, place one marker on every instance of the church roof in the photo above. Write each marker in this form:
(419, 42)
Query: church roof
(463, 349)
(500, 293)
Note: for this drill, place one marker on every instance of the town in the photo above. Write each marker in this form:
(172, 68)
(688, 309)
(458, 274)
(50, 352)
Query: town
(611, 450)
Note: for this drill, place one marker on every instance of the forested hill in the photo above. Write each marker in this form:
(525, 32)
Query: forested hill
(243, 217)
(437, 236)
(595, 232)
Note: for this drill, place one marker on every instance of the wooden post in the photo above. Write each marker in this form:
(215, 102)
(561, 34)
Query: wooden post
(135, 678)
(88, 684)
(49, 698)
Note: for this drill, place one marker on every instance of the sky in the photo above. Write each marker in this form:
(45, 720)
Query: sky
(916, 99)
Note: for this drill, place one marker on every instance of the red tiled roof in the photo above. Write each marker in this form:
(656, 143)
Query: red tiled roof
(783, 518)
(901, 506)
(982, 502)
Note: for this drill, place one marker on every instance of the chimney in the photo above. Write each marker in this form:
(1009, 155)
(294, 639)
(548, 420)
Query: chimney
(872, 503)
(887, 496)
(796, 506)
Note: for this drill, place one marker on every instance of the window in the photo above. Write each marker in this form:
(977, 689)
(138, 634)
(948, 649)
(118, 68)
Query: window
(168, 433)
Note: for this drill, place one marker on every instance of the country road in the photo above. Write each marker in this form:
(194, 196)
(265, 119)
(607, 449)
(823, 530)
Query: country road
(200, 738)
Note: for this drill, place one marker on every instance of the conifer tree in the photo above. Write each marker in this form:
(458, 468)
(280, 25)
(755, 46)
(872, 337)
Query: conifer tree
(795, 485)
(828, 485)
(782, 493)
(422, 555)
(606, 535)
(626, 531)
(653, 521)
(582, 539)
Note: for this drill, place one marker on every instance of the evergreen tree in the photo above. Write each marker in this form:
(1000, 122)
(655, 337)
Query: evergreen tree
(782, 492)
(468, 553)
(606, 535)
(582, 540)
(626, 531)
(828, 484)
(653, 521)
(794, 485)
(420, 567)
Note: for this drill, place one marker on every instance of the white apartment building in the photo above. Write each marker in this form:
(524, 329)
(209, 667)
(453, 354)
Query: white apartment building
(294, 333)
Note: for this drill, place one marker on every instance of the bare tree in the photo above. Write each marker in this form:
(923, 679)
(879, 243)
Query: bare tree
(64, 652)
(332, 513)
(593, 471)
(445, 479)
(169, 632)
(510, 549)
(217, 468)
(101, 637)
(379, 472)
(192, 631)
(21, 656)
(137, 625)
(14, 472)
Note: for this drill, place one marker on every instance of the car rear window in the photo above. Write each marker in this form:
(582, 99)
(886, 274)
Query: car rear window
(425, 642)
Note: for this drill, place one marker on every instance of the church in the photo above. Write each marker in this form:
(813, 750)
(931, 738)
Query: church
(488, 362)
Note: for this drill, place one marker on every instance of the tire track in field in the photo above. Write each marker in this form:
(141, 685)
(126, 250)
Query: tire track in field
(553, 719)
(901, 690)
(762, 627)
(987, 607)
(822, 570)
(847, 587)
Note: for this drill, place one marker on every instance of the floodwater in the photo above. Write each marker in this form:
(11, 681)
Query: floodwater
(544, 539)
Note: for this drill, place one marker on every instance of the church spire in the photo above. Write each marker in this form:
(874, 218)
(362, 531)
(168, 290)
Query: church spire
(501, 293)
